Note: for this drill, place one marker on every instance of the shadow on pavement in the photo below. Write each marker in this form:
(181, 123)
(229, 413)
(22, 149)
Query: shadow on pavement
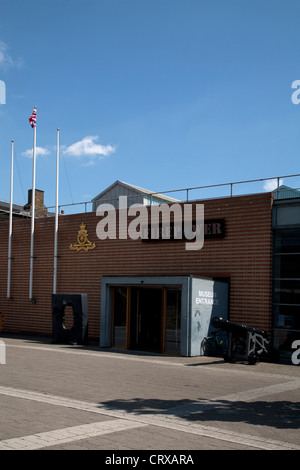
(278, 414)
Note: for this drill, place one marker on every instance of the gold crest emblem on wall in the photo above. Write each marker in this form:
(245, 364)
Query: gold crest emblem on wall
(83, 242)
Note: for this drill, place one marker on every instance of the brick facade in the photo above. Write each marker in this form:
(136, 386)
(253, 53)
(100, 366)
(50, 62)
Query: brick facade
(243, 256)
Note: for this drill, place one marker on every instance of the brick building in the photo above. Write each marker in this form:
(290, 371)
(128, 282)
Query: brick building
(118, 274)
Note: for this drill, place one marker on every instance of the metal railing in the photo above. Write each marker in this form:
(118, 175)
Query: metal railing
(230, 191)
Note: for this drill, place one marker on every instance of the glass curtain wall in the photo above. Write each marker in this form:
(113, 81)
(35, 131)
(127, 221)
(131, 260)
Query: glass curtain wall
(286, 290)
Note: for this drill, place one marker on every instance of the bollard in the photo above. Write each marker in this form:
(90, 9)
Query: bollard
(2, 353)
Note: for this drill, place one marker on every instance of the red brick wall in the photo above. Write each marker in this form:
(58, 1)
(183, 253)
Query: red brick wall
(244, 256)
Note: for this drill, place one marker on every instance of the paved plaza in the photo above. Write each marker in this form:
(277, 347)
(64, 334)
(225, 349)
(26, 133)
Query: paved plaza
(63, 397)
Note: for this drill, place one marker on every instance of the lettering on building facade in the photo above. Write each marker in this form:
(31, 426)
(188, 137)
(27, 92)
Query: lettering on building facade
(212, 229)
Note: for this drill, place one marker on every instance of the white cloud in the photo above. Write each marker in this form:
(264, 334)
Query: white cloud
(6, 60)
(88, 147)
(270, 185)
(40, 152)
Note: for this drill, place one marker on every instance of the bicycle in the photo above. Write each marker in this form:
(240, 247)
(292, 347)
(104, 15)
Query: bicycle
(214, 345)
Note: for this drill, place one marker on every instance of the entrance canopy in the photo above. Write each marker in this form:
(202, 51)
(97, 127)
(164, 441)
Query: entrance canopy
(166, 314)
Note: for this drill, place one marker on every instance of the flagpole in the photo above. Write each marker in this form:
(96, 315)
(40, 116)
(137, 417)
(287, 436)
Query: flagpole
(10, 219)
(56, 214)
(32, 213)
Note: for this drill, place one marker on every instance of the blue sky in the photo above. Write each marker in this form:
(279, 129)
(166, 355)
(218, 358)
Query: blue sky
(163, 94)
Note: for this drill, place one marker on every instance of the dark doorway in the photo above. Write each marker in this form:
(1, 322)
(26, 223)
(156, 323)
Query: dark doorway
(146, 319)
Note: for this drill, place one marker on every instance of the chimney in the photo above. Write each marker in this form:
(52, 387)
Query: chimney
(40, 209)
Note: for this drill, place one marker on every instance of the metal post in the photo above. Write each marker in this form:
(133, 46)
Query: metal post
(32, 214)
(10, 219)
(56, 214)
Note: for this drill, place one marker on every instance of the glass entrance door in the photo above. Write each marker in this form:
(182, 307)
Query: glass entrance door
(146, 318)
(172, 320)
(119, 317)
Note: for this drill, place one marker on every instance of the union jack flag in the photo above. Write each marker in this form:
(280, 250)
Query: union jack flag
(32, 119)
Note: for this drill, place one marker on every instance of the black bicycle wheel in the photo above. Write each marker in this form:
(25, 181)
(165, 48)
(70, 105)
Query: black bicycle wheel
(209, 347)
(253, 359)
